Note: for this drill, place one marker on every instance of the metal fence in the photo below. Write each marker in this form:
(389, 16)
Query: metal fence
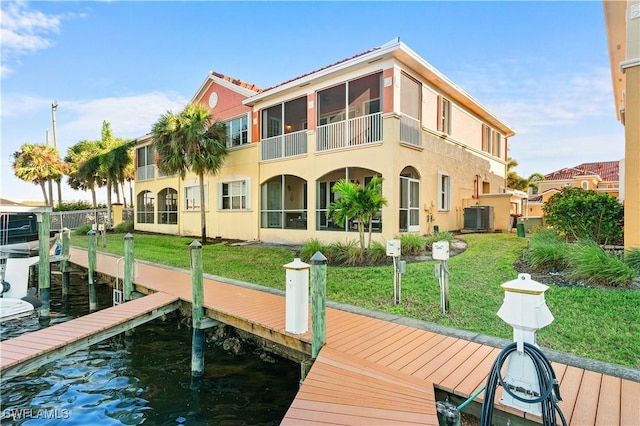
(76, 218)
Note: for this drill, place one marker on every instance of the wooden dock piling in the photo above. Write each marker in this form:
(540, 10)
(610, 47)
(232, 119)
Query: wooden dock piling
(197, 310)
(44, 268)
(64, 264)
(318, 303)
(128, 266)
(91, 248)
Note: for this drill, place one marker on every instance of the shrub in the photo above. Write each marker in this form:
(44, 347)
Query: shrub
(123, 228)
(632, 258)
(547, 251)
(82, 230)
(589, 214)
(66, 206)
(590, 263)
(437, 236)
(310, 247)
(377, 253)
(411, 244)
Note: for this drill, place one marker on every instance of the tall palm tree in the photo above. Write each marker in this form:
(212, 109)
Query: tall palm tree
(37, 163)
(362, 203)
(190, 141)
(111, 158)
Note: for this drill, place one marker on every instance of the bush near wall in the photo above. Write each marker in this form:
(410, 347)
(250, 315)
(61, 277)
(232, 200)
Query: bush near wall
(585, 214)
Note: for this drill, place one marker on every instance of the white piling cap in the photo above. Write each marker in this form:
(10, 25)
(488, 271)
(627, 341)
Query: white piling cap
(524, 284)
(297, 264)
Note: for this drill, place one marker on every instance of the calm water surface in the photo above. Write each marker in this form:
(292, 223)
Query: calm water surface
(144, 378)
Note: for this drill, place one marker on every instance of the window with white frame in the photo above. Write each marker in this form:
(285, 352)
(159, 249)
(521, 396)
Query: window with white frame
(237, 131)
(144, 162)
(444, 192)
(234, 195)
(192, 198)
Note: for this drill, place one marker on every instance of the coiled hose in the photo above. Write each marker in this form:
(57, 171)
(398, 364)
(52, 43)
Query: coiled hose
(549, 389)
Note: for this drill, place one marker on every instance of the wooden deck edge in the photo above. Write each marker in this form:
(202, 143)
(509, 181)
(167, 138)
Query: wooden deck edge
(56, 351)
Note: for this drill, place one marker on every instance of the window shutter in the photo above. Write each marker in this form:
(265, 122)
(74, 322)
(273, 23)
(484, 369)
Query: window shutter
(440, 189)
(219, 196)
(248, 189)
(439, 112)
(484, 137)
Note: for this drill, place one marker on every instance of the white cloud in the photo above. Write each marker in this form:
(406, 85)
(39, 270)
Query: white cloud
(130, 116)
(25, 31)
(530, 96)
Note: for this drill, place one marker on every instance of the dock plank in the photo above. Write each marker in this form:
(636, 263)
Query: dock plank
(630, 403)
(584, 412)
(608, 404)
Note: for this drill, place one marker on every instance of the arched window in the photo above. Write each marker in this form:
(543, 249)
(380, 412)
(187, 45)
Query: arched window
(409, 213)
(168, 206)
(145, 207)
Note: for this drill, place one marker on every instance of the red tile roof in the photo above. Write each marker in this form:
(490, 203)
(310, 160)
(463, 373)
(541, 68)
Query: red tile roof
(609, 171)
(323, 68)
(237, 82)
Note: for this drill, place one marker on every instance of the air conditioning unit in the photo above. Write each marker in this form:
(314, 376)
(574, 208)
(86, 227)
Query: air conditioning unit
(478, 218)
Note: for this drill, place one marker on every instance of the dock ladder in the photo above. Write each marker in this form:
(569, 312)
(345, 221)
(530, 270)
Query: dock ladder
(118, 288)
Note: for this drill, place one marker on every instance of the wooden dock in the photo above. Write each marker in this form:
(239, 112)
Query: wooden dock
(373, 371)
(32, 350)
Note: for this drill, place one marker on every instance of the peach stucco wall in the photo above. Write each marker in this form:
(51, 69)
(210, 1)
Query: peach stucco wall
(229, 102)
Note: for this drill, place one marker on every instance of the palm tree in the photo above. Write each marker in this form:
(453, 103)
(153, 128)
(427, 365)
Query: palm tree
(358, 202)
(77, 156)
(110, 160)
(515, 181)
(190, 141)
(37, 163)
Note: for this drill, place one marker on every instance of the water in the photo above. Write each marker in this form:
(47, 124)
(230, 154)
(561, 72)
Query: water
(144, 378)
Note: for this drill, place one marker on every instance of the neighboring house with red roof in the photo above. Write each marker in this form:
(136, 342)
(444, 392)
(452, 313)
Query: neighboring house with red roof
(602, 176)
(384, 112)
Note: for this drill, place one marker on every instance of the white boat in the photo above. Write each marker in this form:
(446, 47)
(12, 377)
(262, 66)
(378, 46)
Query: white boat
(19, 250)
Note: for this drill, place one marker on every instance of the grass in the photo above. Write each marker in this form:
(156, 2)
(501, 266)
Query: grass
(595, 266)
(601, 324)
(547, 251)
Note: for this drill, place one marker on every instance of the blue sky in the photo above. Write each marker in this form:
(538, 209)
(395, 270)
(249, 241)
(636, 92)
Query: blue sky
(542, 67)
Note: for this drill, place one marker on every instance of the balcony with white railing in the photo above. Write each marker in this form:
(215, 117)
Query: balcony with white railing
(352, 132)
(410, 131)
(281, 146)
(146, 172)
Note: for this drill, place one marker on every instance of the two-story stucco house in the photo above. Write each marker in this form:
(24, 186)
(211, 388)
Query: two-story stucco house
(385, 112)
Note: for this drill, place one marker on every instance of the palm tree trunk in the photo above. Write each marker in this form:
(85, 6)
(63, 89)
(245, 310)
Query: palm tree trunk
(370, 231)
(130, 194)
(93, 197)
(116, 189)
(124, 197)
(44, 192)
(109, 188)
(203, 214)
(361, 233)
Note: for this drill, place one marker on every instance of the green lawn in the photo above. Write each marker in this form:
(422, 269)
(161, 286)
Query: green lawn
(602, 324)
